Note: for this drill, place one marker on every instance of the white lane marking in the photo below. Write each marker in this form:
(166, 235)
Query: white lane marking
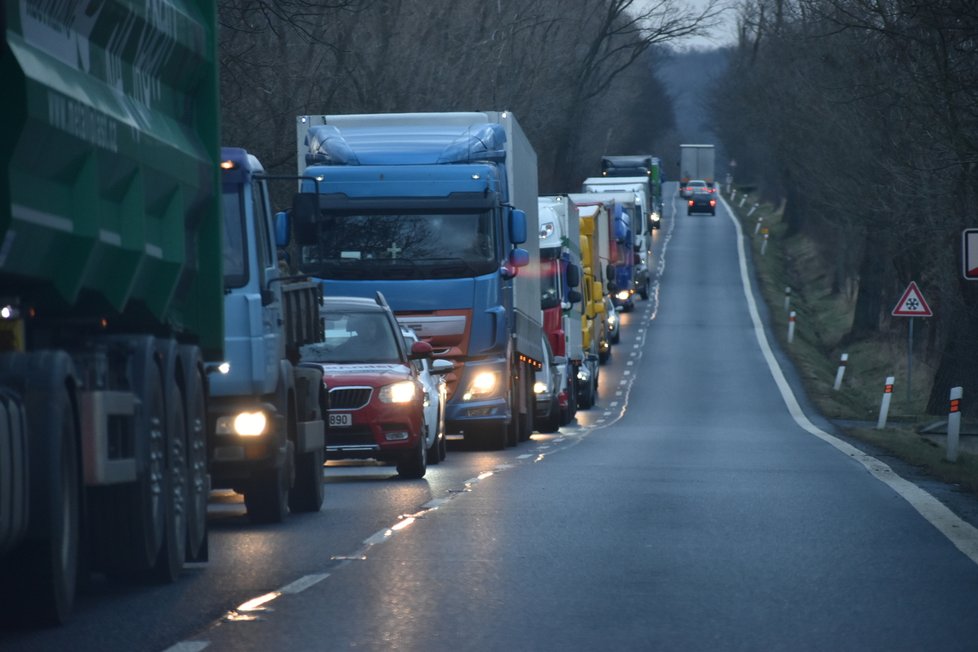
(303, 583)
(188, 646)
(961, 533)
(524, 456)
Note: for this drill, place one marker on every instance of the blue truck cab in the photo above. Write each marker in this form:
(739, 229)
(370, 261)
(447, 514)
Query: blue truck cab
(433, 210)
(265, 423)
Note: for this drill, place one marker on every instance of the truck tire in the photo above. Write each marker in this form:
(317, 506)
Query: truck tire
(198, 482)
(644, 291)
(267, 495)
(585, 400)
(129, 520)
(174, 552)
(414, 464)
(308, 492)
(40, 577)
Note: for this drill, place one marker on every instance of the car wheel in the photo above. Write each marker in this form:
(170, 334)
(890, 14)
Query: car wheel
(414, 464)
(585, 399)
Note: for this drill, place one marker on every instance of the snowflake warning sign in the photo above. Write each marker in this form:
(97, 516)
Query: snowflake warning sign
(912, 303)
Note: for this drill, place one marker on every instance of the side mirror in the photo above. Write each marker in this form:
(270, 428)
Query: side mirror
(517, 226)
(442, 366)
(573, 296)
(519, 257)
(305, 210)
(421, 350)
(281, 229)
(573, 275)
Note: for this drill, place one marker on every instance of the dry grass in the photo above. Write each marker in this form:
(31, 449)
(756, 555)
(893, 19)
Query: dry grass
(823, 318)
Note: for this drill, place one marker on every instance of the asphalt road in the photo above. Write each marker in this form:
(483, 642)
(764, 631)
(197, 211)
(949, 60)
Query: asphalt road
(692, 509)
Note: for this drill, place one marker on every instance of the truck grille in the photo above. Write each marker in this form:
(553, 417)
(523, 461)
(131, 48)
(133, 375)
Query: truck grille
(349, 398)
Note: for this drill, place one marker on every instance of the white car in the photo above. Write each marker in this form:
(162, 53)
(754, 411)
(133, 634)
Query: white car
(431, 373)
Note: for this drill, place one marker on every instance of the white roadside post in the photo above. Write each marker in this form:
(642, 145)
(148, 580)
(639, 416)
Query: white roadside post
(791, 327)
(885, 405)
(753, 208)
(733, 194)
(742, 200)
(764, 245)
(787, 298)
(843, 361)
(954, 424)
(757, 227)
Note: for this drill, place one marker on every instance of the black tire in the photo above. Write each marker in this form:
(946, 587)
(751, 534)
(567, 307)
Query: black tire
(616, 337)
(308, 492)
(433, 455)
(267, 496)
(414, 464)
(40, 577)
(172, 555)
(713, 212)
(198, 483)
(567, 413)
(551, 422)
(442, 447)
(129, 520)
(603, 357)
(644, 292)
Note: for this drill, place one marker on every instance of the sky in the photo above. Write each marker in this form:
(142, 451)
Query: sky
(725, 33)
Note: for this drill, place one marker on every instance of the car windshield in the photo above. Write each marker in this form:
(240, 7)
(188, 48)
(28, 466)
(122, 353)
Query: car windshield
(355, 337)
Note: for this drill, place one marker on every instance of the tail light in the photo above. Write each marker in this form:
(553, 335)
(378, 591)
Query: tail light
(690, 202)
(713, 202)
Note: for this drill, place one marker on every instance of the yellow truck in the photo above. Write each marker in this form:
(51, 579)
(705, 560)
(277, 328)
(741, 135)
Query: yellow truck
(594, 330)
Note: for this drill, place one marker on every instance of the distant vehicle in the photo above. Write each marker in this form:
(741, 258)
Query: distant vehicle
(431, 373)
(702, 201)
(696, 185)
(376, 399)
(696, 162)
(547, 416)
(614, 325)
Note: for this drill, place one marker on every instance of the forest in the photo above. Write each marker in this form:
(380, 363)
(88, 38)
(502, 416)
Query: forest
(860, 116)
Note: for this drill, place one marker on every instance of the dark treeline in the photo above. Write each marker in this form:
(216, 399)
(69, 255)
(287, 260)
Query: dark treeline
(863, 116)
(579, 75)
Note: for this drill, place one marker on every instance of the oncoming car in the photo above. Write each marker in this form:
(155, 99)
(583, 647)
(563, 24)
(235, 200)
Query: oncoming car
(431, 373)
(376, 400)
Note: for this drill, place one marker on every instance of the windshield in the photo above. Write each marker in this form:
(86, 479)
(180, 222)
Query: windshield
(355, 337)
(405, 245)
(235, 253)
(550, 288)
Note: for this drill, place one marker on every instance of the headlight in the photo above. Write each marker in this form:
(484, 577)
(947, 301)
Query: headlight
(623, 295)
(244, 424)
(539, 388)
(612, 318)
(483, 383)
(654, 217)
(402, 392)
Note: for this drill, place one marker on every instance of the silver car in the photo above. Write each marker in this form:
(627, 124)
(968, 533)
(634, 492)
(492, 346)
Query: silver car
(431, 373)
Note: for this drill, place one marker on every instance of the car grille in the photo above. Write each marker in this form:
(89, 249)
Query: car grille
(346, 437)
(349, 398)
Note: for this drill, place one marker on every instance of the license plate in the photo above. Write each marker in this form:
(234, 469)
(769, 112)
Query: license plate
(340, 420)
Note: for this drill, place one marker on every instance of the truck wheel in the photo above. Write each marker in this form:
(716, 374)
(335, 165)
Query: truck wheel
(644, 292)
(267, 496)
(174, 550)
(585, 400)
(414, 464)
(307, 494)
(198, 485)
(40, 577)
(128, 520)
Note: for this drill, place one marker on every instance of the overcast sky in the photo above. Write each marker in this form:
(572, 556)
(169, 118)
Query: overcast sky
(725, 33)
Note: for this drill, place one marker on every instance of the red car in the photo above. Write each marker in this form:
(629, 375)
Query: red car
(376, 401)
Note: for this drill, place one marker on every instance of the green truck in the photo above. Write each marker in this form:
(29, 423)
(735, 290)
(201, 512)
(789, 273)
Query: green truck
(111, 292)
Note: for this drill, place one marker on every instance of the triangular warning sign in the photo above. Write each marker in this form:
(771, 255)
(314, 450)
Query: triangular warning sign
(912, 304)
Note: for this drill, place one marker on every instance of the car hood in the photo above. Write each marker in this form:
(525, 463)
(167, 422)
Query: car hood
(365, 374)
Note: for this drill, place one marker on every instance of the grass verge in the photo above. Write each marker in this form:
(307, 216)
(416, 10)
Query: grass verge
(793, 276)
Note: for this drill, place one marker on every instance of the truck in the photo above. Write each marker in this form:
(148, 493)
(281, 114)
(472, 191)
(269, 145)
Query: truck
(112, 287)
(641, 220)
(265, 417)
(433, 210)
(696, 162)
(594, 328)
(620, 267)
(560, 261)
(639, 165)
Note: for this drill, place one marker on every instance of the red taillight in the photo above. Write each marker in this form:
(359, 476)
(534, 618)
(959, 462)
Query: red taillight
(690, 202)
(713, 202)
